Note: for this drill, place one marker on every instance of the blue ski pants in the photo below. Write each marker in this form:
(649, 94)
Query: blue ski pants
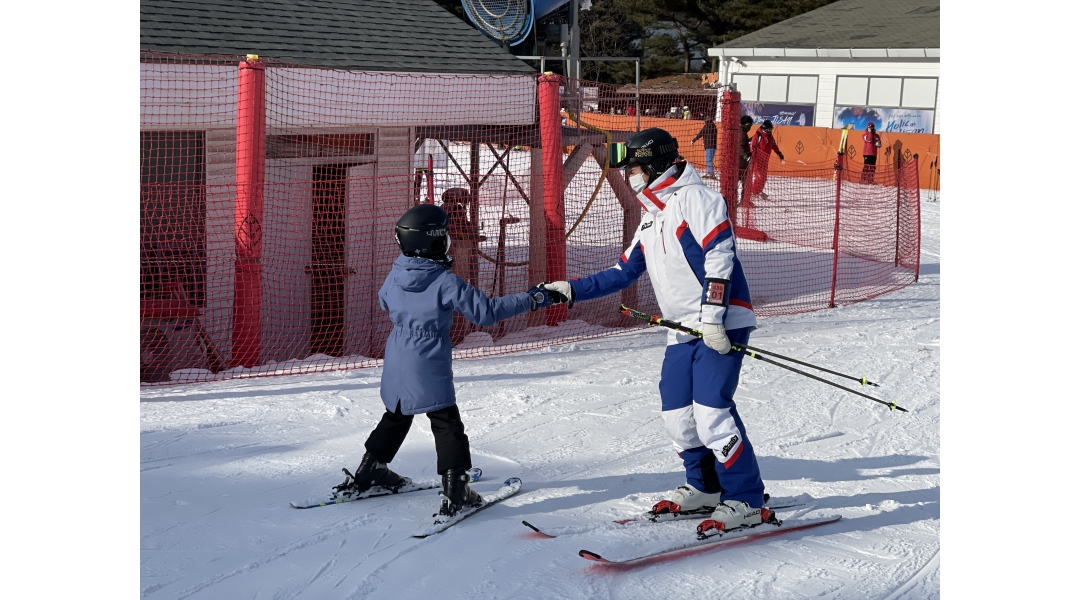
(697, 387)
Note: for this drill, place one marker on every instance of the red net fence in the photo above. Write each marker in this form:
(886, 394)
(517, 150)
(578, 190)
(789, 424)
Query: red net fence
(269, 192)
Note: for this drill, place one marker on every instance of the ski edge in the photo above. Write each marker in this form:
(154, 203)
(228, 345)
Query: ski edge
(718, 540)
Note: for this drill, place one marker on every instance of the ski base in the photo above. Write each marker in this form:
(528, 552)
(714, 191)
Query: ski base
(510, 487)
(412, 486)
(728, 538)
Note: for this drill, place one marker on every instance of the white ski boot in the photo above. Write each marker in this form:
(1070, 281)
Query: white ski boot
(734, 514)
(686, 499)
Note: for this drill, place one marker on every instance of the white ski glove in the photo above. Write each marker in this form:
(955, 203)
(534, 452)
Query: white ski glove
(715, 337)
(561, 292)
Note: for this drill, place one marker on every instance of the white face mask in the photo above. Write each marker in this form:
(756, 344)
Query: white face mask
(637, 182)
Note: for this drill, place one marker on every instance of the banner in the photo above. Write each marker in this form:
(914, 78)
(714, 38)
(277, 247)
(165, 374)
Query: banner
(780, 114)
(886, 120)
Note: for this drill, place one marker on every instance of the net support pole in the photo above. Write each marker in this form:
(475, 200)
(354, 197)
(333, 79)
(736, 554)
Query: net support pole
(250, 164)
(836, 231)
(730, 113)
(554, 209)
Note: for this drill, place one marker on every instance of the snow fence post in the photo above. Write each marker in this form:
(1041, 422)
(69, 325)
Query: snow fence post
(554, 210)
(250, 165)
(730, 114)
(836, 229)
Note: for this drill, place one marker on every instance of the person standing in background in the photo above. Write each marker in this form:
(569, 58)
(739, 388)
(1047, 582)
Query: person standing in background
(761, 149)
(707, 135)
(871, 142)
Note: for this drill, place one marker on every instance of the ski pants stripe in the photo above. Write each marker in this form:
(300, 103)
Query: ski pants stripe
(697, 387)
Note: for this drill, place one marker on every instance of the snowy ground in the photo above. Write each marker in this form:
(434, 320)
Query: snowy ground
(580, 425)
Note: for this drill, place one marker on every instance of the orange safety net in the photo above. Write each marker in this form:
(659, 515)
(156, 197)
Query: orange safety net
(269, 192)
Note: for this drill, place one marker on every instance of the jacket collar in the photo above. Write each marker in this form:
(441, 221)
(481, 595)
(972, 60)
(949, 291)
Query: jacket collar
(654, 198)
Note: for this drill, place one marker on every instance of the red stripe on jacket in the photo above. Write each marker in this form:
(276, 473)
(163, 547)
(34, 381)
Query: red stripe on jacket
(715, 232)
(741, 303)
(651, 196)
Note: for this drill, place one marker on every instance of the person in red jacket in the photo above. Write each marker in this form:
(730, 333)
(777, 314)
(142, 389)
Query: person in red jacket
(762, 147)
(871, 142)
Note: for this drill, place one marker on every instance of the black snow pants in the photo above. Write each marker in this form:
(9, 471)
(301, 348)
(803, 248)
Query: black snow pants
(451, 443)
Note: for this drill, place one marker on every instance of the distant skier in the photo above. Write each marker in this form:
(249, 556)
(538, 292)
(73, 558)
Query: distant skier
(762, 147)
(744, 147)
(687, 244)
(421, 294)
(871, 142)
(707, 135)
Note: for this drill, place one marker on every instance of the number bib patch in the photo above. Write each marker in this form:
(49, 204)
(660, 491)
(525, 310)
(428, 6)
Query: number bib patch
(717, 291)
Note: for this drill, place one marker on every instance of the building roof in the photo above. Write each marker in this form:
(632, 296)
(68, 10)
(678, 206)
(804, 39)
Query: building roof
(854, 24)
(411, 36)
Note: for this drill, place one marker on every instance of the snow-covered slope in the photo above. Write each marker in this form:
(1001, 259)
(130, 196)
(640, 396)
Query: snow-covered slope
(580, 424)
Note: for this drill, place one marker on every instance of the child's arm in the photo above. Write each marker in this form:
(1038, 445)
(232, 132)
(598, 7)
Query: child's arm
(478, 308)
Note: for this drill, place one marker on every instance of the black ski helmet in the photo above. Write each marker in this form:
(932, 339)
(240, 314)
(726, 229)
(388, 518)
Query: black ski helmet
(421, 232)
(766, 124)
(654, 149)
(746, 121)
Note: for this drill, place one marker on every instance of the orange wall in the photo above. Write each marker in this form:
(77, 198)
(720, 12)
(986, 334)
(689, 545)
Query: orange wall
(808, 145)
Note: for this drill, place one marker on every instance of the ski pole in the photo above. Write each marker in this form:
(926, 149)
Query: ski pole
(654, 320)
(862, 380)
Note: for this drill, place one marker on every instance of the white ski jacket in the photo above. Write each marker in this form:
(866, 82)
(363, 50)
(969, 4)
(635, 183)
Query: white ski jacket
(687, 243)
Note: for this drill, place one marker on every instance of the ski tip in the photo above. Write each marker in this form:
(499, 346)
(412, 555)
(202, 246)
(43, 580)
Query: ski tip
(536, 533)
(592, 556)
(512, 481)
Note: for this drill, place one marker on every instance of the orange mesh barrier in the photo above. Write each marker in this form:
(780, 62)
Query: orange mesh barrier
(269, 192)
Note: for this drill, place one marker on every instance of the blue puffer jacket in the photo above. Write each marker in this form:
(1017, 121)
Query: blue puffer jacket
(421, 296)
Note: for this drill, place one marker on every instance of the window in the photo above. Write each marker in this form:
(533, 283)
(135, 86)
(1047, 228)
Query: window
(919, 93)
(851, 91)
(748, 85)
(802, 90)
(886, 92)
(778, 89)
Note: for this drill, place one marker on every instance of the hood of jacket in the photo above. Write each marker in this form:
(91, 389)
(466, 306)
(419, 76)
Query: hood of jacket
(414, 274)
(654, 197)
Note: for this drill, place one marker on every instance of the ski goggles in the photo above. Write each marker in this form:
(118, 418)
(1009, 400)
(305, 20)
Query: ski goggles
(616, 154)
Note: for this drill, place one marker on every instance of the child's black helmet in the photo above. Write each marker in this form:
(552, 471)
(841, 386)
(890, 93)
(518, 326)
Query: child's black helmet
(421, 232)
(654, 149)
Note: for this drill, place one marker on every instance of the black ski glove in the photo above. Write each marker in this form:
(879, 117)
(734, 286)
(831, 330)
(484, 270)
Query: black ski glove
(540, 297)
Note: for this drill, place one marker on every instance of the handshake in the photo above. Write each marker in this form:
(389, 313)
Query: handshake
(551, 292)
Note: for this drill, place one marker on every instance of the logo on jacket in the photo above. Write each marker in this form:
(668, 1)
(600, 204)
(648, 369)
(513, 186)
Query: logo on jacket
(731, 444)
(647, 225)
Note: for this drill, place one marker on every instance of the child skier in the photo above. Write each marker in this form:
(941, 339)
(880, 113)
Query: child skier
(422, 294)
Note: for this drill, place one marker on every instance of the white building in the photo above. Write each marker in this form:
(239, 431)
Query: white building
(851, 61)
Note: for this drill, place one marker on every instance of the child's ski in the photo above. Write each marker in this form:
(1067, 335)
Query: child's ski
(412, 486)
(442, 523)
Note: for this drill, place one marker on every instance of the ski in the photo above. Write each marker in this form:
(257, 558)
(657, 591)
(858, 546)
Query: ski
(729, 538)
(649, 517)
(510, 487)
(412, 486)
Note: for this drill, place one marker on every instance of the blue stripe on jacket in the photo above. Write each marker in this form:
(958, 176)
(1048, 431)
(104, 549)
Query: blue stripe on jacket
(619, 277)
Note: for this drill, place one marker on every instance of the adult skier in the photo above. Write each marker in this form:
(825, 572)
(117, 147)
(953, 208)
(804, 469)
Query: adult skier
(871, 143)
(421, 294)
(687, 244)
(762, 147)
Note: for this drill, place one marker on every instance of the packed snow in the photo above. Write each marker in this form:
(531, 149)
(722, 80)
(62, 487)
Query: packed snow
(580, 425)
